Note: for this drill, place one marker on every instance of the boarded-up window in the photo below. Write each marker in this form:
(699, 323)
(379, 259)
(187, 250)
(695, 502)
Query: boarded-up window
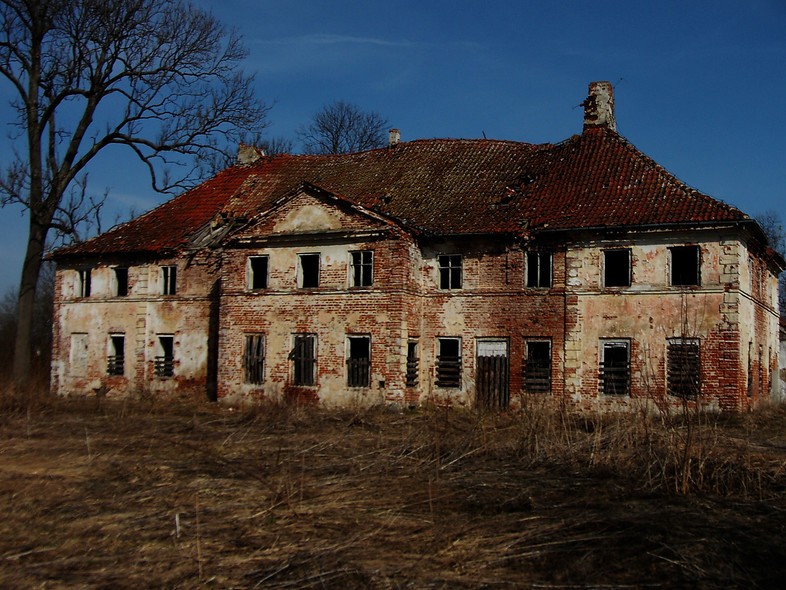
(450, 271)
(412, 363)
(358, 361)
(684, 368)
(614, 375)
(362, 268)
(78, 356)
(685, 265)
(115, 362)
(537, 366)
(254, 359)
(539, 269)
(448, 362)
(257, 272)
(616, 268)
(304, 359)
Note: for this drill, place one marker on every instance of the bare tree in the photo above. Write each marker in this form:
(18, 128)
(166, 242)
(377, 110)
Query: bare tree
(343, 128)
(157, 76)
(772, 226)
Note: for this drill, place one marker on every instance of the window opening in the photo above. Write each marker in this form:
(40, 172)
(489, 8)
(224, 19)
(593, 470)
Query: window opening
(358, 361)
(309, 271)
(537, 367)
(685, 266)
(257, 272)
(448, 362)
(362, 268)
(165, 359)
(169, 280)
(412, 364)
(614, 377)
(121, 281)
(254, 359)
(616, 268)
(539, 269)
(303, 357)
(684, 368)
(84, 282)
(115, 362)
(450, 271)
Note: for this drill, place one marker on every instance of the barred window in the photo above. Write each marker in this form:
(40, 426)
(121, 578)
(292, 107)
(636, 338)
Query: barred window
(450, 271)
(115, 362)
(358, 361)
(164, 361)
(537, 366)
(412, 364)
(254, 359)
(683, 368)
(304, 359)
(449, 362)
(614, 376)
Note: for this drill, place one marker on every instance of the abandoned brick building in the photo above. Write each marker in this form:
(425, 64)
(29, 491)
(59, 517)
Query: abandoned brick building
(470, 271)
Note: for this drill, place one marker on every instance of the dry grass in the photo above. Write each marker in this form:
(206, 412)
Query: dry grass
(160, 495)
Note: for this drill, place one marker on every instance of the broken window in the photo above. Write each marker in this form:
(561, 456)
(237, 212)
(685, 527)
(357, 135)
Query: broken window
(685, 266)
(304, 359)
(121, 281)
(115, 361)
(450, 271)
(616, 268)
(168, 280)
(358, 361)
(537, 366)
(254, 359)
(78, 354)
(449, 362)
(308, 271)
(614, 376)
(412, 363)
(683, 368)
(361, 268)
(257, 272)
(539, 269)
(84, 282)
(165, 356)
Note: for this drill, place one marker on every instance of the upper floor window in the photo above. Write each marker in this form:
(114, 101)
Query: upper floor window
(539, 269)
(361, 268)
(308, 271)
(685, 266)
(168, 280)
(450, 271)
(121, 281)
(616, 268)
(256, 272)
(83, 287)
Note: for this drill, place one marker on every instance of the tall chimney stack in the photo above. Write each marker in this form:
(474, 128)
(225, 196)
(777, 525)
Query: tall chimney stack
(599, 106)
(394, 137)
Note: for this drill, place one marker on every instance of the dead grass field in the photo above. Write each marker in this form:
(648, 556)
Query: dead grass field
(135, 495)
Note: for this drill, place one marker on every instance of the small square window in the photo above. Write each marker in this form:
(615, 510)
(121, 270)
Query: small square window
(539, 269)
(257, 272)
(616, 268)
(121, 281)
(450, 271)
(168, 280)
(685, 266)
(362, 268)
(308, 271)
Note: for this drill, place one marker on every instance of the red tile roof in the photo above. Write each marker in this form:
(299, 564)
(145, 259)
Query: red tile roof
(444, 186)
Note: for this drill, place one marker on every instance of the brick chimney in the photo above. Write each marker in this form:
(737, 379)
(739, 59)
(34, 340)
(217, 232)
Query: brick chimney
(599, 106)
(394, 137)
(248, 154)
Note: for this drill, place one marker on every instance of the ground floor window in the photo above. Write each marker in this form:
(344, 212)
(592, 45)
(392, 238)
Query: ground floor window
(683, 368)
(165, 356)
(614, 377)
(304, 359)
(537, 366)
(412, 363)
(115, 362)
(254, 359)
(449, 362)
(358, 361)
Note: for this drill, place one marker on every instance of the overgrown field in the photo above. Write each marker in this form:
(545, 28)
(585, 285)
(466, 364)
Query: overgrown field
(134, 495)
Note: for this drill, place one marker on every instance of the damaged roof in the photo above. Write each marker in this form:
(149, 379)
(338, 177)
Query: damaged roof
(443, 187)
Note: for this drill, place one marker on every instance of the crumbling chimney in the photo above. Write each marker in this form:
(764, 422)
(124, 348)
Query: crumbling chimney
(248, 154)
(599, 106)
(394, 137)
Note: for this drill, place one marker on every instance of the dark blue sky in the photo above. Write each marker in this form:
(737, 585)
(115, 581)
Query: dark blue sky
(699, 86)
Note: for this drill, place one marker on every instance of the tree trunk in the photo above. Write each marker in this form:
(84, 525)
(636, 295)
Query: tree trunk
(31, 267)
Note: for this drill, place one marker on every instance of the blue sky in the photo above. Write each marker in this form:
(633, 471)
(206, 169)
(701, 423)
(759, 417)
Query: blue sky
(699, 86)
